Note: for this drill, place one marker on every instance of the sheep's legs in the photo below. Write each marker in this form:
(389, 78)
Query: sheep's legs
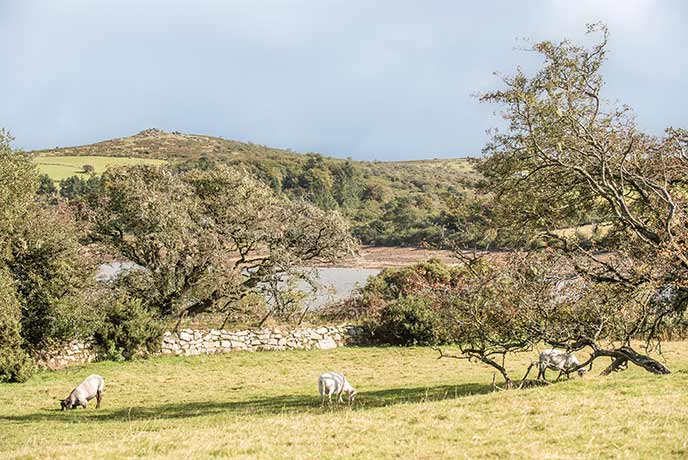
(541, 373)
(99, 398)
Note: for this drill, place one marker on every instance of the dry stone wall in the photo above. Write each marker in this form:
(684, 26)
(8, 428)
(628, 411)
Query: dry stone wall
(73, 353)
(189, 342)
(193, 342)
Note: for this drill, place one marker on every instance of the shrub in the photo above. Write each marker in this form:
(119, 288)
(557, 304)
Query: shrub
(127, 328)
(404, 306)
(408, 321)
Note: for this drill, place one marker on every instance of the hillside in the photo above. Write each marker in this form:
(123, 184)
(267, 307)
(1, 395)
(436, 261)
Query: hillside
(158, 144)
(388, 203)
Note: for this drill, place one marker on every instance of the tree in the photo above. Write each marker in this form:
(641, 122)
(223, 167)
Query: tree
(15, 363)
(493, 309)
(207, 238)
(567, 153)
(41, 271)
(50, 278)
(18, 182)
(46, 186)
(75, 187)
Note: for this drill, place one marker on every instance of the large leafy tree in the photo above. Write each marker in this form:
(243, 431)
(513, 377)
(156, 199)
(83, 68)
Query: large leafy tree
(207, 238)
(41, 272)
(569, 157)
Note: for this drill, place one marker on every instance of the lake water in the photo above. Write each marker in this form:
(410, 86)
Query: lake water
(336, 283)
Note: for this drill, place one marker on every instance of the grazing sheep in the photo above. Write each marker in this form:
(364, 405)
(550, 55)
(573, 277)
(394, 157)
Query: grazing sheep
(90, 388)
(560, 361)
(332, 383)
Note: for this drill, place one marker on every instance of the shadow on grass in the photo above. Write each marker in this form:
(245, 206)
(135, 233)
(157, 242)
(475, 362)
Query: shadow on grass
(262, 406)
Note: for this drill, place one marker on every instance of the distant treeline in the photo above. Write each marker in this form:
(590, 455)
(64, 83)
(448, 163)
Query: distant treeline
(388, 204)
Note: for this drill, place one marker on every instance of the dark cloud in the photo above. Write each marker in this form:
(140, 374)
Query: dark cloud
(371, 80)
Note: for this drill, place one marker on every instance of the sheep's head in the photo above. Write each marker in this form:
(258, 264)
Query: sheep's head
(582, 371)
(65, 404)
(351, 391)
(352, 394)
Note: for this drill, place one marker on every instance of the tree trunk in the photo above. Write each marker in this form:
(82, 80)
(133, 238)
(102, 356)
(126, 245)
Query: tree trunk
(624, 354)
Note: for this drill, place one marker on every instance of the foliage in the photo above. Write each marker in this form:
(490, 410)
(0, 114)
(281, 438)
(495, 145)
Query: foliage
(75, 187)
(125, 328)
(15, 363)
(396, 203)
(410, 320)
(492, 307)
(50, 278)
(18, 182)
(41, 271)
(208, 238)
(46, 186)
(403, 306)
(568, 155)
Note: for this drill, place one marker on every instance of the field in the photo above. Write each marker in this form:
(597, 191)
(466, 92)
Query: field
(410, 405)
(59, 168)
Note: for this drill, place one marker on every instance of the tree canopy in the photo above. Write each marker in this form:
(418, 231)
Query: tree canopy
(42, 273)
(568, 157)
(207, 238)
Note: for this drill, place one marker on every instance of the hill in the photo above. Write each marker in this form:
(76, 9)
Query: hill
(158, 144)
(388, 203)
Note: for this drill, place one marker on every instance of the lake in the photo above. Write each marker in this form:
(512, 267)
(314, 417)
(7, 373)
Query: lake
(336, 283)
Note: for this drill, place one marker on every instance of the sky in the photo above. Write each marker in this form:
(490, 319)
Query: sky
(371, 80)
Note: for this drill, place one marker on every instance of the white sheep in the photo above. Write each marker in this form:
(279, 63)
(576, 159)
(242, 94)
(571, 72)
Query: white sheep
(91, 387)
(558, 360)
(332, 383)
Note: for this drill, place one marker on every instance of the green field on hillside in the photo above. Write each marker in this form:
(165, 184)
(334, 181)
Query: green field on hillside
(59, 168)
(410, 405)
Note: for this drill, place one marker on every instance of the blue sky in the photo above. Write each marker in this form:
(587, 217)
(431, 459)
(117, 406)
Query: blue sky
(381, 80)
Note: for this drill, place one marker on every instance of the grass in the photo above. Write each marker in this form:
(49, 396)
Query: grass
(59, 168)
(410, 405)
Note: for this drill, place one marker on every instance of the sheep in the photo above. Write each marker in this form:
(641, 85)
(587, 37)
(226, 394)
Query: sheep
(331, 383)
(91, 387)
(560, 361)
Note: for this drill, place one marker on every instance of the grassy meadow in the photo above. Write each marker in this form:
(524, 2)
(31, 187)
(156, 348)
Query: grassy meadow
(58, 167)
(410, 405)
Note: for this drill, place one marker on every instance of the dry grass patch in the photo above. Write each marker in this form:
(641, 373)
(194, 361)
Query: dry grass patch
(410, 405)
